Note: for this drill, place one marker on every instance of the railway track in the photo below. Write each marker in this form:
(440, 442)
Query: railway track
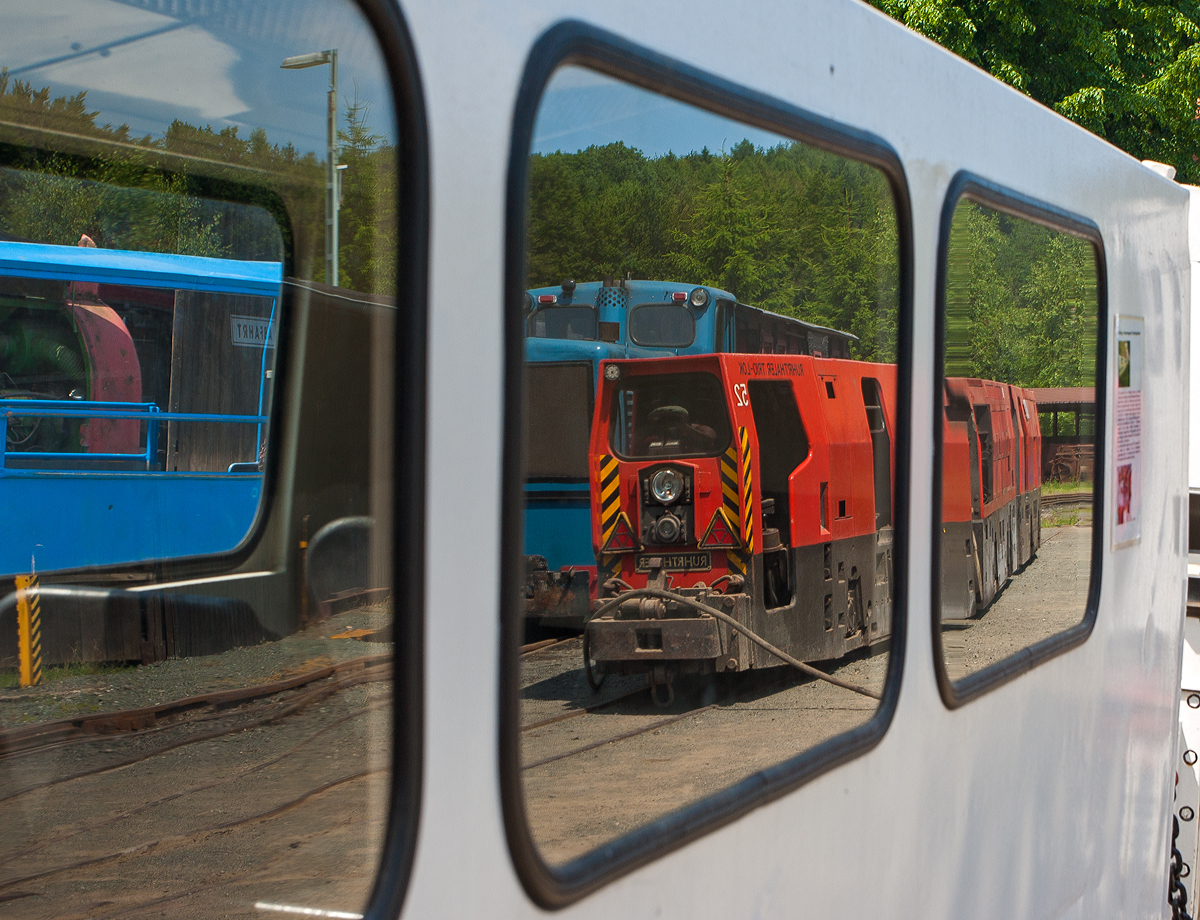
(294, 695)
(285, 762)
(1067, 498)
(658, 719)
(203, 707)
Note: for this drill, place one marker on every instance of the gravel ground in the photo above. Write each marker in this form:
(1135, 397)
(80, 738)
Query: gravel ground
(737, 725)
(164, 681)
(202, 818)
(733, 726)
(1044, 598)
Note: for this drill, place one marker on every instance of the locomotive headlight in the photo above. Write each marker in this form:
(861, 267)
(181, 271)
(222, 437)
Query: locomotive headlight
(668, 528)
(699, 297)
(666, 486)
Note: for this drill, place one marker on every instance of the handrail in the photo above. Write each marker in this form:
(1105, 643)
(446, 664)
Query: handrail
(73, 408)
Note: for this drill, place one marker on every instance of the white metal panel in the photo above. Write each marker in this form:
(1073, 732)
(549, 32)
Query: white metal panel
(1194, 408)
(1049, 796)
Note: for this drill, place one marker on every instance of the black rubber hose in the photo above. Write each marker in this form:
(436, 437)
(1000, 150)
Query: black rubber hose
(734, 624)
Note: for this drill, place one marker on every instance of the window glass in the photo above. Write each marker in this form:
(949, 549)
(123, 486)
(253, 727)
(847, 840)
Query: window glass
(1019, 435)
(574, 322)
(665, 325)
(196, 394)
(671, 415)
(727, 261)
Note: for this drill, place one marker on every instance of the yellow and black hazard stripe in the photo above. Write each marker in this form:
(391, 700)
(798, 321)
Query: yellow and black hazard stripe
(29, 630)
(729, 502)
(747, 476)
(609, 564)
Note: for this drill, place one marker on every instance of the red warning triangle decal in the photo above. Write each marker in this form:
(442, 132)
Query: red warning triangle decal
(720, 533)
(622, 539)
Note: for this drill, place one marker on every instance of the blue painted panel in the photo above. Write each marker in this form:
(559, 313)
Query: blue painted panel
(560, 529)
(141, 269)
(58, 520)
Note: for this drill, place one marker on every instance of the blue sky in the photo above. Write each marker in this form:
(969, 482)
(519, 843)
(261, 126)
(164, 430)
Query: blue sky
(144, 64)
(215, 64)
(581, 107)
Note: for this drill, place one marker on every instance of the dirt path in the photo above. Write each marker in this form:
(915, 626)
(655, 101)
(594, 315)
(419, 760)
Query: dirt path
(732, 728)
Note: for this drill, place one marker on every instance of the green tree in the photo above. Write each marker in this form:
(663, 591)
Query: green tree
(1021, 301)
(789, 228)
(1129, 72)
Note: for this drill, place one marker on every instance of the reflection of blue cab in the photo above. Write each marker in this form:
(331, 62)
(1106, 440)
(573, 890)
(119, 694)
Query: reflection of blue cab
(133, 401)
(569, 330)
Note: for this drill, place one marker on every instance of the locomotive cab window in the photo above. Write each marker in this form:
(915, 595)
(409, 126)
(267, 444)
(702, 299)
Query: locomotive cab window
(664, 325)
(1020, 443)
(199, 357)
(669, 415)
(566, 322)
(677, 594)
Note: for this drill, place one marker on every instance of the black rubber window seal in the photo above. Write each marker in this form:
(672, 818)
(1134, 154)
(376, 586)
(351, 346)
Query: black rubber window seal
(573, 42)
(990, 195)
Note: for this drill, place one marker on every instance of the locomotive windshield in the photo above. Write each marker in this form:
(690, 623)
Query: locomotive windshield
(566, 322)
(662, 325)
(670, 415)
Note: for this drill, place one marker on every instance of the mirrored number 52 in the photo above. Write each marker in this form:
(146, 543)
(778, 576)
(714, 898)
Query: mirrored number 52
(739, 391)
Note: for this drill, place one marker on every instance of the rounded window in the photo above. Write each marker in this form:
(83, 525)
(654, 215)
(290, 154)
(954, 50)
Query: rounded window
(662, 325)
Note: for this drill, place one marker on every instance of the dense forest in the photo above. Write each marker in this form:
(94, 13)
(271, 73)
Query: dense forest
(193, 190)
(1021, 301)
(788, 228)
(813, 235)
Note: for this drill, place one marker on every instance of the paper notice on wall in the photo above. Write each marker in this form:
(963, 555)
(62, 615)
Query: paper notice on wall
(1127, 430)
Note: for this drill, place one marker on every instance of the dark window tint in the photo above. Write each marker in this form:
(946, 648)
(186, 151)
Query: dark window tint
(191, 579)
(573, 322)
(558, 413)
(665, 325)
(676, 415)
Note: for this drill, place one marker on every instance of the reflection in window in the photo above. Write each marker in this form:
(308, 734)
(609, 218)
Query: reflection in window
(675, 415)
(663, 325)
(731, 266)
(573, 322)
(165, 297)
(1019, 435)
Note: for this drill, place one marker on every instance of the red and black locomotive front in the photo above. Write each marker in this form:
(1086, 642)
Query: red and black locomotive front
(666, 512)
(739, 504)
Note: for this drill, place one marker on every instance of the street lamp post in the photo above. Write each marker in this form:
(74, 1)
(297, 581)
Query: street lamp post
(332, 198)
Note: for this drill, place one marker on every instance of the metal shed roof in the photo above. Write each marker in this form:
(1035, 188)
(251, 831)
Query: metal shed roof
(1064, 396)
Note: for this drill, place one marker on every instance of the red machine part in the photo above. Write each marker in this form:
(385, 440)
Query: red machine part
(114, 375)
(991, 447)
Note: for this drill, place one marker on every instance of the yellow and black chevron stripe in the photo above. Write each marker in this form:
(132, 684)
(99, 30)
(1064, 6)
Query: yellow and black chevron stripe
(729, 501)
(747, 492)
(609, 564)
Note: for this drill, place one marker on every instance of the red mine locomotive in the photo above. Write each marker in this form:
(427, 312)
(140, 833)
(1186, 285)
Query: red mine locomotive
(742, 508)
(991, 490)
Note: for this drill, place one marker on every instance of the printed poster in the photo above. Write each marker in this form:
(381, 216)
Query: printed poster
(1129, 343)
